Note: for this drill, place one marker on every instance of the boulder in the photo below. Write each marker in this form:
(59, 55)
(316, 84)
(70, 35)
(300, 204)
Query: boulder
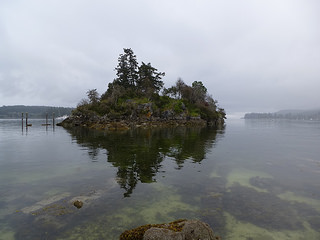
(155, 233)
(78, 204)
(178, 230)
(194, 230)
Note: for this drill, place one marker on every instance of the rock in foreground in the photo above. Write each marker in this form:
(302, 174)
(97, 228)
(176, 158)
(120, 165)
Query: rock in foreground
(177, 230)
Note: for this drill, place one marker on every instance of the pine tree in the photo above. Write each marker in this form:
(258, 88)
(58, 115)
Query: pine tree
(149, 80)
(127, 69)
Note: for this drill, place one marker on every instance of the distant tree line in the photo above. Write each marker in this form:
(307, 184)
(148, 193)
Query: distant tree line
(137, 84)
(294, 115)
(33, 111)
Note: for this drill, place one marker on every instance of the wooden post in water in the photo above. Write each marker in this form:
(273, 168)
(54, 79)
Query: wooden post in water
(26, 119)
(53, 119)
(22, 122)
(46, 121)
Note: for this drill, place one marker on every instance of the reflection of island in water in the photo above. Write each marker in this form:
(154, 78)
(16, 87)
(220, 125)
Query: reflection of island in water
(138, 153)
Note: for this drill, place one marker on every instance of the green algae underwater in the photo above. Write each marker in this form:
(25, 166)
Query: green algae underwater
(249, 180)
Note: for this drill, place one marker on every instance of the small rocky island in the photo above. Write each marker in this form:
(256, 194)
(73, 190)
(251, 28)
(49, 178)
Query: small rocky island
(133, 100)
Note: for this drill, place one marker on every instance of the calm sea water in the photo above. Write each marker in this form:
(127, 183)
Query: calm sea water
(254, 179)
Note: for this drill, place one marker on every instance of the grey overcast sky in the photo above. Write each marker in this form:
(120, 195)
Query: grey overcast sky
(252, 55)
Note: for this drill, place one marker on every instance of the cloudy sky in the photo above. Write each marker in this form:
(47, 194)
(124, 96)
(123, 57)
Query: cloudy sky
(251, 55)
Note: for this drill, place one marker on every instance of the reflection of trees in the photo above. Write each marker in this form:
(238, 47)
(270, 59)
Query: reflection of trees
(138, 154)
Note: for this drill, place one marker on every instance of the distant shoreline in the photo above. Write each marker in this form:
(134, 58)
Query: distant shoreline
(34, 112)
(311, 115)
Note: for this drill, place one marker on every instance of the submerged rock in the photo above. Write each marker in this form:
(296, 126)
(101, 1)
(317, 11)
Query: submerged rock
(177, 230)
(45, 203)
(78, 204)
(261, 209)
(268, 184)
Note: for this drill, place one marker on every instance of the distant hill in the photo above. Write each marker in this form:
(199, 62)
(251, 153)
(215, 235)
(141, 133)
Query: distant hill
(287, 114)
(33, 111)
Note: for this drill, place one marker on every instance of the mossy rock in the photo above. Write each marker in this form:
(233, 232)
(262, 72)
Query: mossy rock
(78, 204)
(137, 233)
(180, 229)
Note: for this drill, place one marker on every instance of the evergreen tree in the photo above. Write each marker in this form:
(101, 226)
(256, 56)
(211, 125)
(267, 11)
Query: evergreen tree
(149, 80)
(93, 96)
(199, 91)
(179, 86)
(127, 69)
(176, 90)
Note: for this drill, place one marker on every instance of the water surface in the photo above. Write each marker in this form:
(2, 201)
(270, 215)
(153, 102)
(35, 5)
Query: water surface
(254, 179)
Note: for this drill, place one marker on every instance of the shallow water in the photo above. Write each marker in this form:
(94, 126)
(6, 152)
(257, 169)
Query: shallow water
(254, 179)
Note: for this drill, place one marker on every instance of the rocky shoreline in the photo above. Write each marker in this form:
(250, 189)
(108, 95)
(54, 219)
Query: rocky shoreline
(117, 124)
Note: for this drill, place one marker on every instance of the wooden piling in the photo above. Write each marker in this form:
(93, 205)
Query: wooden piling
(26, 119)
(53, 119)
(22, 119)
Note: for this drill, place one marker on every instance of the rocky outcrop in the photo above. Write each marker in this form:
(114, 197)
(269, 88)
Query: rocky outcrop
(107, 123)
(177, 230)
